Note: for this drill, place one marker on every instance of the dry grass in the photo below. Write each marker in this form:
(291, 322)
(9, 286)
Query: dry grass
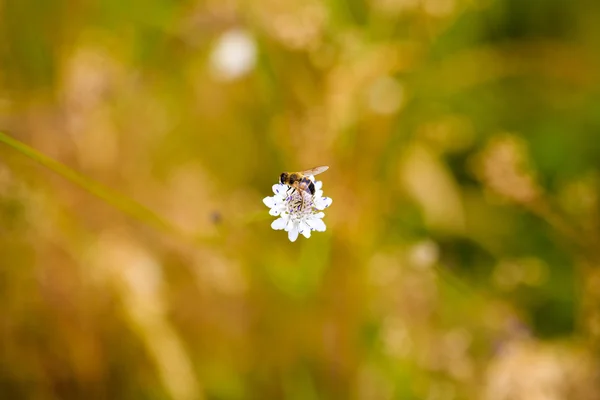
(460, 262)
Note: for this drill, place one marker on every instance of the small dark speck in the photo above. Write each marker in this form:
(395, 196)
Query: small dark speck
(216, 217)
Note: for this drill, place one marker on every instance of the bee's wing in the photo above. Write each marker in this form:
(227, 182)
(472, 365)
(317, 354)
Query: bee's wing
(315, 171)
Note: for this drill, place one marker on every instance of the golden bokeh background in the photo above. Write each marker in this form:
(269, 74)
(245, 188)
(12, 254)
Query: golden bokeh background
(461, 258)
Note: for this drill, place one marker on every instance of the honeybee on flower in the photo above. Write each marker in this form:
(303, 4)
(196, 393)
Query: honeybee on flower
(299, 203)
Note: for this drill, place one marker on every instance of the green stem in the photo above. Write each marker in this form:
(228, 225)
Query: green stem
(116, 200)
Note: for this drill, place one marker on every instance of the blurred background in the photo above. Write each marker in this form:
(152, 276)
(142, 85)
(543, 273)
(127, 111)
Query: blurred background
(461, 256)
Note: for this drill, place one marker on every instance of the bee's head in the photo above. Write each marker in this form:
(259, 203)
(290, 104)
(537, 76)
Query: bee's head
(283, 177)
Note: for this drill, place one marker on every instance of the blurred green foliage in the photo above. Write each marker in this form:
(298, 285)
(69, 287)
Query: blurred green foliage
(460, 259)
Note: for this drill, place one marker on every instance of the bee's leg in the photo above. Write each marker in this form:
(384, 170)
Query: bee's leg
(301, 192)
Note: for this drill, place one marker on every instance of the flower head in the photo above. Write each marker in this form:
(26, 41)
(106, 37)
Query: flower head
(234, 55)
(295, 215)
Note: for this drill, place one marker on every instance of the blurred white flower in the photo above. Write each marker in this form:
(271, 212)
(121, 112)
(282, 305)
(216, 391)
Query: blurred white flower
(294, 217)
(424, 254)
(234, 55)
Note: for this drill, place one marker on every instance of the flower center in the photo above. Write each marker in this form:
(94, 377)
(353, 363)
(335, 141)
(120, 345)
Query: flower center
(294, 204)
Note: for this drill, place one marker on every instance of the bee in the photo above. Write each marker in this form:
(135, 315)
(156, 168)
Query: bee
(301, 182)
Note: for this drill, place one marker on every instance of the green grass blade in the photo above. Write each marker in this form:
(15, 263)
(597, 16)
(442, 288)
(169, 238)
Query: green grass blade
(116, 200)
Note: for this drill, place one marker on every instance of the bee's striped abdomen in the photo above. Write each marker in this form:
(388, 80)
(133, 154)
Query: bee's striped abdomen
(311, 187)
(307, 185)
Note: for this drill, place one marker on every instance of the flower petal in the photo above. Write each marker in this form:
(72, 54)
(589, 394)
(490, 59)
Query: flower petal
(303, 226)
(275, 211)
(304, 229)
(293, 234)
(269, 201)
(318, 185)
(317, 224)
(289, 226)
(278, 224)
(323, 202)
(279, 189)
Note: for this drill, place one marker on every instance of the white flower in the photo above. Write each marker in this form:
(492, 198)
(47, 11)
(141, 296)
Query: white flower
(234, 55)
(294, 217)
